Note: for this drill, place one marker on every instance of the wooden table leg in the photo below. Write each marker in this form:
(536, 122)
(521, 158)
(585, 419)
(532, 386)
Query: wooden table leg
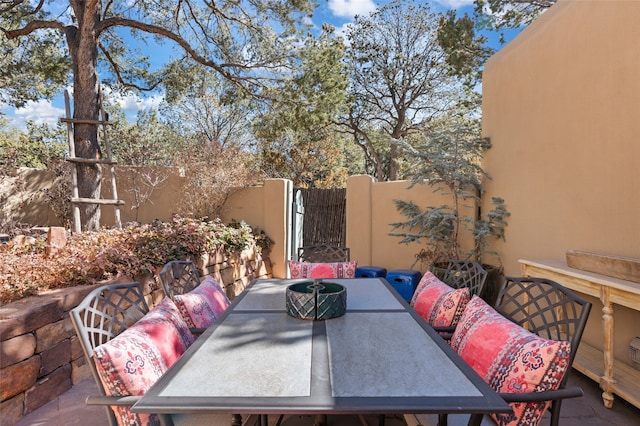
(607, 380)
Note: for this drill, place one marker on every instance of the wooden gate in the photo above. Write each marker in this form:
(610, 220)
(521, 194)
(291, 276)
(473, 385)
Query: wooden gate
(324, 216)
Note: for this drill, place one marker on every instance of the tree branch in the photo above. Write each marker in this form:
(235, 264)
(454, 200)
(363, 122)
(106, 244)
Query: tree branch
(31, 27)
(154, 29)
(118, 72)
(222, 68)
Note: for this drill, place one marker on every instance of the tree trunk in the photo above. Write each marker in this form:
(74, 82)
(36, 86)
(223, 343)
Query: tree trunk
(83, 47)
(397, 134)
(393, 163)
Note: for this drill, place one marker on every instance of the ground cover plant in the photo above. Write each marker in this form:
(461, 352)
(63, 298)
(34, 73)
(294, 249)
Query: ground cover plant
(136, 249)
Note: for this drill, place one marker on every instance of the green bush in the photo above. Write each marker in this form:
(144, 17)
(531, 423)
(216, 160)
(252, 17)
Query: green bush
(136, 249)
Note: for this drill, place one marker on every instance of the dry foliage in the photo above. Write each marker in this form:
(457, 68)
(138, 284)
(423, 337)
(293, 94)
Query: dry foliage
(136, 249)
(58, 196)
(213, 173)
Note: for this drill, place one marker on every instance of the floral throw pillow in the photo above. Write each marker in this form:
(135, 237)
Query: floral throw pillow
(204, 304)
(322, 270)
(510, 359)
(439, 304)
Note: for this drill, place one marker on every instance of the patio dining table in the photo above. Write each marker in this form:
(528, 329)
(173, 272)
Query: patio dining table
(379, 357)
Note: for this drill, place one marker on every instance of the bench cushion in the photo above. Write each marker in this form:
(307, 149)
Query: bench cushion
(204, 304)
(130, 363)
(439, 304)
(322, 270)
(510, 359)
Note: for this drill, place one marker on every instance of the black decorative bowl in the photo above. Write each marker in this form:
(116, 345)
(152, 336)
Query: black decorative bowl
(316, 300)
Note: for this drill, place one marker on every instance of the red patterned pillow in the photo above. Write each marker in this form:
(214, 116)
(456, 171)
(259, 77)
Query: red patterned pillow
(204, 304)
(134, 360)
(322, 270)
(510, 359)
(439, 304)
(171, 341)
(427, 279)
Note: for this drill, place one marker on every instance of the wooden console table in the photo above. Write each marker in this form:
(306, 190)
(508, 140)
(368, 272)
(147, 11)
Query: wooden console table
(596, 364)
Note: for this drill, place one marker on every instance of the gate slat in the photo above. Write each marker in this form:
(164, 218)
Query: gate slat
(325, 220)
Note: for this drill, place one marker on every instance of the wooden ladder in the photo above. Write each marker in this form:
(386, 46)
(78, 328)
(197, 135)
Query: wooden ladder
(75, 198)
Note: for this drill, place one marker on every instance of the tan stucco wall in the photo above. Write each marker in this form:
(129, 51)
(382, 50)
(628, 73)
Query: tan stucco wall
(265, 207)
(30, 207)
(370, 212)
(163, 201)
(561, 104)
(562, 108)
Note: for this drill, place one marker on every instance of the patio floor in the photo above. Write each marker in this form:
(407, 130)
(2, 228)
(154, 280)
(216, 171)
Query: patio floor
(69, 409)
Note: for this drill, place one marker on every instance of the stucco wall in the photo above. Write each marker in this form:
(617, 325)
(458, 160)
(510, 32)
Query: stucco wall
(23, 200)
(265, 207)
(561, 104)
(370, 212)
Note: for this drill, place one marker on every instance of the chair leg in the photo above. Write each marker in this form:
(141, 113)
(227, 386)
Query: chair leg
(442, 419)
(320, 420)
(165, 420)
(555, 412)
(475, 420)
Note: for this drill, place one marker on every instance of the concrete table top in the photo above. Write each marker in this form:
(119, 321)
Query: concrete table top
(380, 357)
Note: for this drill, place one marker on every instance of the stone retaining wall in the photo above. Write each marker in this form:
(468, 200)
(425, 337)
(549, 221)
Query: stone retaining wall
(40, 355)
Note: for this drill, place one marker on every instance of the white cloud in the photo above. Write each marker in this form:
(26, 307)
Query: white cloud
(455, 4)
(44, 112)
(40, 112)
(350, 8)
(131, 103)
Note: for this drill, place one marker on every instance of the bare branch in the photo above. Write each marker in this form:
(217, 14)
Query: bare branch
(116, 69)
(10, 5)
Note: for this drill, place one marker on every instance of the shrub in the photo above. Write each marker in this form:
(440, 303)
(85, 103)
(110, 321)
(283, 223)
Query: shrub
(136, 249)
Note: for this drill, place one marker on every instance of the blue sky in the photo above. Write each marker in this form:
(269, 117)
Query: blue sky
(338, 13)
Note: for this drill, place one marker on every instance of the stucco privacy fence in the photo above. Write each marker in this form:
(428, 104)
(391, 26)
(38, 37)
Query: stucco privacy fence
(40, 356)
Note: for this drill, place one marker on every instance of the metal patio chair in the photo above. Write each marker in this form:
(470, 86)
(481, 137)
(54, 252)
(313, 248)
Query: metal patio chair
(323, 253)
(179, 277)
(465, 274)
(553, 312)
(105, 313)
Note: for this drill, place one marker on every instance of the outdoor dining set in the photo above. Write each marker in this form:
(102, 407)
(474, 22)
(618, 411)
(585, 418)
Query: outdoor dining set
(332, 340)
